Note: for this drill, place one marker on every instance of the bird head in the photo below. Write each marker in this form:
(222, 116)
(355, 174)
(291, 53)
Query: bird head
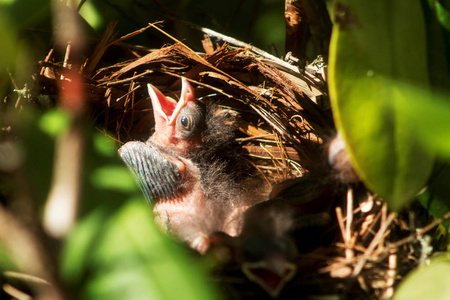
(178, 125)
(267, 250)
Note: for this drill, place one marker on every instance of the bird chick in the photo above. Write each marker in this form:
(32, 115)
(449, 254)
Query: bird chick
(184, 170)
(171, 183)
(274, 232)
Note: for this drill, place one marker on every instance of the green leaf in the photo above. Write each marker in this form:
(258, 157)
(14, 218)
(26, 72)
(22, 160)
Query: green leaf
(377, 51)
(437, 38)
(114, 178)
(9, 35)
(436, 198)
(105, 145)
(427, 282)
(107, 181)
(54, 122)
(91, 15)
(127, 257)
(78, 246)
(442, 14)
(6, 259)
(428, 115)
(38, 146)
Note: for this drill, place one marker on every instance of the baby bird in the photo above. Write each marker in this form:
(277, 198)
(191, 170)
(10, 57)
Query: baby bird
(189, 170)
(295, 220)
(178, 126)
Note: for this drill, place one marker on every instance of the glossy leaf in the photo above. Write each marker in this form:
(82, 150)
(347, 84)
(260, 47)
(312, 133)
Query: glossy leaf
(427, 282)
(428, 115)
(377, 51)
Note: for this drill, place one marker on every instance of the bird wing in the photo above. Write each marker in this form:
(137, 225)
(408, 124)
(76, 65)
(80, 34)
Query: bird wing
(158, 178)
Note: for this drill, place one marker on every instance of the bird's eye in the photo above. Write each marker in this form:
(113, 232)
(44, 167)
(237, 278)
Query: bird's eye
(184, 121)
(190, 121)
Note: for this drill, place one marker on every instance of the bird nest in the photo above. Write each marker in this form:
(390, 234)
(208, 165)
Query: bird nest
(284, 121)
(281, 124)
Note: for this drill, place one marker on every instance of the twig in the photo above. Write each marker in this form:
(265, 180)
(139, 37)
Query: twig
(99, 50)
(348, 227)
(129, 92)
(240, 44)
(66, 58)
(419, 232)
(296, 166)
(390, 275)
(255, 137)
(274, 160)
(307, 82)
(296, 27)
(16, 293)
(259, 170)
(16, 88)
(47, 59)
(80, 5)
(119, 82)
(26, 277)
(130, 35)
(340, 220)
(376, 240)
(61, 206)
(27, 253)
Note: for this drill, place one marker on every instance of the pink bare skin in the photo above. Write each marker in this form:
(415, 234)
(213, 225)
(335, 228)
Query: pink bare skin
(192, 216)
(166, 111)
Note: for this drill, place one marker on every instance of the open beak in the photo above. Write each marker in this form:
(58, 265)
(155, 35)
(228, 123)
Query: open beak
(167, 108)
(271, 274)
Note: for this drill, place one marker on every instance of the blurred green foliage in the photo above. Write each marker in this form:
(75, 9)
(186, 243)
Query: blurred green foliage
(389, 84)
(436, 197)
(427, 282)
(115, 251)
(25, 31)
(130, 259)
(442, 11)
(377, 54)
(258, 22)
